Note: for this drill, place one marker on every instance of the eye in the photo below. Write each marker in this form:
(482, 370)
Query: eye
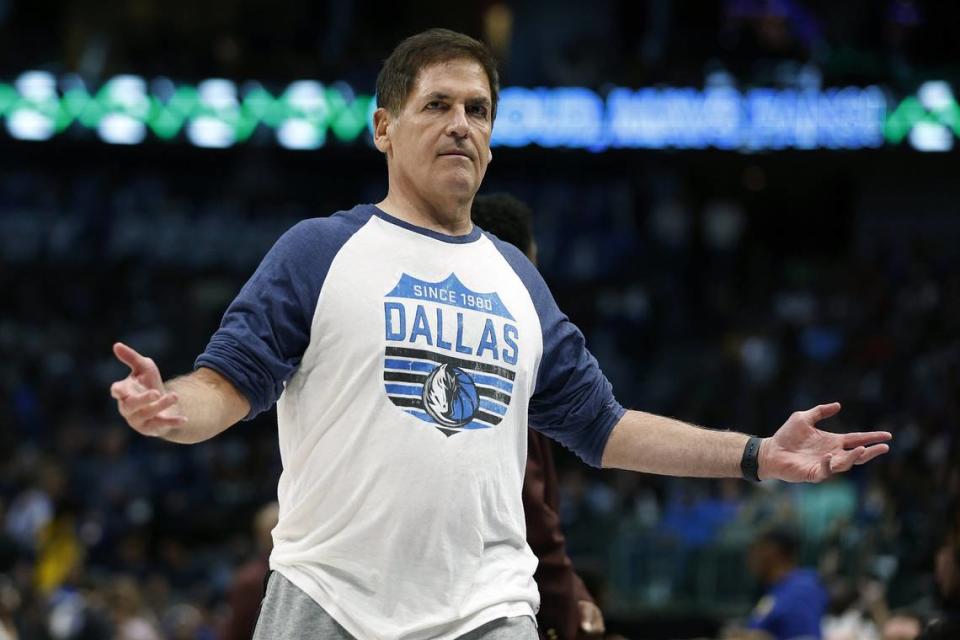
(434, 105)
(478, 110)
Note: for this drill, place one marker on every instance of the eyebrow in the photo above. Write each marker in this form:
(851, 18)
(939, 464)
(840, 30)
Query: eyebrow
(482, 101)
(439, 95)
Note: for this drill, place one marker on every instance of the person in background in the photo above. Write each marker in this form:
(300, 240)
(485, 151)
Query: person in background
(246, 588)
(566, 606)
(946, 624)
(855, 611)
(902, 625)
(9, 603)
(131, 619)
(794, 601)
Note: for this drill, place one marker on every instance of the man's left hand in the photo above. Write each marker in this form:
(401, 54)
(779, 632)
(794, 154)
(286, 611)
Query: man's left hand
(799, 452)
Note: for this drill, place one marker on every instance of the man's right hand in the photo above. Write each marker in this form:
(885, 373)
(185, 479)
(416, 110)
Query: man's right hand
(141, 398)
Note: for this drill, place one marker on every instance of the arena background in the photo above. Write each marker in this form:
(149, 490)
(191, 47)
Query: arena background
(749, 208)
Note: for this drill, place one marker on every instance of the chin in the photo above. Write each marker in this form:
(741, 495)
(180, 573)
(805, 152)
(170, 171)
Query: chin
(459, 187)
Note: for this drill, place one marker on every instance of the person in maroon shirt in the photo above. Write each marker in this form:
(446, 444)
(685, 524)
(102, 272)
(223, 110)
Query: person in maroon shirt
(246, 587)
(567, 610)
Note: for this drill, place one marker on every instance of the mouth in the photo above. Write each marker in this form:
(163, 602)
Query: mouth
(456, 154)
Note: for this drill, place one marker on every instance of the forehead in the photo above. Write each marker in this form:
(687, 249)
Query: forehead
(463, 78)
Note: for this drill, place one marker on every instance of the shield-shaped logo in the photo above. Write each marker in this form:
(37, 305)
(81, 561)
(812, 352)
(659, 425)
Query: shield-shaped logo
(450, 353)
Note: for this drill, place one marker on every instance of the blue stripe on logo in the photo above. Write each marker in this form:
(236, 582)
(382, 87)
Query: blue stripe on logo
(473, 425)
(492, 381)
(409, 365)
(493, 407)
(404, 390)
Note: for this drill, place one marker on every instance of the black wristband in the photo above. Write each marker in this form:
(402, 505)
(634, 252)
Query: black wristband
(749, 464)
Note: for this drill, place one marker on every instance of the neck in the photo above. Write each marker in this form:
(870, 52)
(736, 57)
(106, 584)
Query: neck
(451, 218)
(777, 573)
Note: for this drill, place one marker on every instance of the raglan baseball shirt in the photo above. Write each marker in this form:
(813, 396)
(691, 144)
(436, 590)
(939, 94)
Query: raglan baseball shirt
(406, 363)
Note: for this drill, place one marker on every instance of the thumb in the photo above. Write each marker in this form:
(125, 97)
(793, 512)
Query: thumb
(128, 356)
(143, 369)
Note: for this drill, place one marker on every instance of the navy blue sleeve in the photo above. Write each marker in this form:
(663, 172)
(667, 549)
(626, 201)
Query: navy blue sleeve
(573, 401)
(266, 328)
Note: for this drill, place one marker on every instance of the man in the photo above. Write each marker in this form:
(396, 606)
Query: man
(566, 606)
(795, 600)
(407, 350)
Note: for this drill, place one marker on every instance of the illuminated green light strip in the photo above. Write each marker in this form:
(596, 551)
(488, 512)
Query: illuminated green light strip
(908, 115)
(345, 118)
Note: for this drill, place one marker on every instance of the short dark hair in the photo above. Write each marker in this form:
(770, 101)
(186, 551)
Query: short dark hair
(784, 539)
(434, 46)
(505, 217)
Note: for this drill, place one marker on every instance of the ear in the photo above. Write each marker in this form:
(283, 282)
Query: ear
(381, 135)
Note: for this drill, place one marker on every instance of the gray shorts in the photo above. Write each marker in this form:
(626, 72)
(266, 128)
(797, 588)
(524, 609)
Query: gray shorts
(287, 613)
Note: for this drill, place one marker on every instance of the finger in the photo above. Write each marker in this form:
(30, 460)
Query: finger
(843, 461)
(852, 440)
(156, 426)
(822, 412)
(126, 355)
(153, 409)
(872, 452)
(134, 402)
(125, 388)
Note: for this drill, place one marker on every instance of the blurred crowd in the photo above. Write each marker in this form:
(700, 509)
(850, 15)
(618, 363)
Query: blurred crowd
(695, 305)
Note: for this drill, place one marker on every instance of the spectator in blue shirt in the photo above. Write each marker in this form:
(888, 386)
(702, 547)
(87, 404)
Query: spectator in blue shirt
(795, 600)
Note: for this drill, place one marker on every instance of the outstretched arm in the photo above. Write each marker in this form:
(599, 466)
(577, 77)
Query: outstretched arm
(188, 409)
(797, 452)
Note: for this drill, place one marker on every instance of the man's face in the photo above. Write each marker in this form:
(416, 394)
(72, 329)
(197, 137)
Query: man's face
(438, 146)
(760, 556)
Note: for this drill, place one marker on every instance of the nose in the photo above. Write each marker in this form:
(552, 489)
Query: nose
(457, 125)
